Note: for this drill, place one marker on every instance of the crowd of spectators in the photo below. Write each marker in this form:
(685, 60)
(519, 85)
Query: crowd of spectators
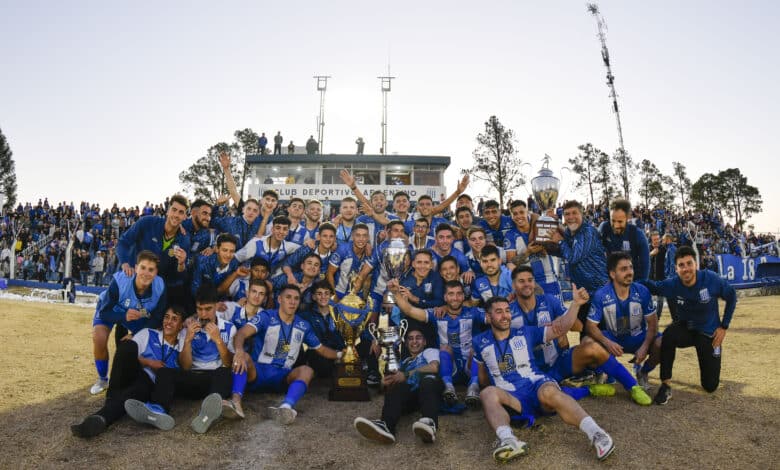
(97, 230)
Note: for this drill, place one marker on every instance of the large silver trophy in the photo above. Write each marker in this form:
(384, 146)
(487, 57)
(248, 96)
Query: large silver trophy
(389, 339)
(545, 189)
(394, 264)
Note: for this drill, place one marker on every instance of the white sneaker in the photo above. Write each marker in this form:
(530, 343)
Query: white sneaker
(472, 396)
(603, 444)
(282, 414)
(100, 386)
(210, 412)
(509, 449)
(425, 429)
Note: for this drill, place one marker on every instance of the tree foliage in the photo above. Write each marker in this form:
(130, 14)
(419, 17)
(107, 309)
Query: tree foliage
(584, 166)
(653, 186)
(682, 184)
(496, 161)
(604, 178)
(7, 173)
(728, 191)
(204, 178)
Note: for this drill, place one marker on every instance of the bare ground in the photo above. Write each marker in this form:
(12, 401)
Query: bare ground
(44, 389)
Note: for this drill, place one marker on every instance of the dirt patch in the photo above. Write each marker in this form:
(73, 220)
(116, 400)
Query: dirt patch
(45, 381)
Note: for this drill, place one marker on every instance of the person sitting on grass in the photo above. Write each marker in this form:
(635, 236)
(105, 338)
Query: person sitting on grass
(134, 371)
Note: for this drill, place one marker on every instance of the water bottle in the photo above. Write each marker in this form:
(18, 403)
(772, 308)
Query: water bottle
(716, 351)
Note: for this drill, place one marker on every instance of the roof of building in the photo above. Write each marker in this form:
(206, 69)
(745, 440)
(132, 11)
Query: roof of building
(338, 158)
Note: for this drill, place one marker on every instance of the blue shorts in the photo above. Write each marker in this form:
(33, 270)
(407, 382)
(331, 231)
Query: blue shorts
(461, 374)
(269, 379)
(562, 368)
(97, 321)
(629, 343)
(529, 400)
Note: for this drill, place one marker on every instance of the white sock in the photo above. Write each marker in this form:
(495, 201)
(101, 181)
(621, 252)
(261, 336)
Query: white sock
(285, 405)
(504, 432)
(589, 427)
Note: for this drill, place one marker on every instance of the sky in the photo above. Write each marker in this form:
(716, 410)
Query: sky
(109, 101)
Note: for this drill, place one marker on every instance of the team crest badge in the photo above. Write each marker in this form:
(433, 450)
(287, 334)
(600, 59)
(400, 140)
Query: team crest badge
(704, 295)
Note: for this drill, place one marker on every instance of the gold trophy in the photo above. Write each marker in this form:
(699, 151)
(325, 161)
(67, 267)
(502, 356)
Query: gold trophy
(350, 315)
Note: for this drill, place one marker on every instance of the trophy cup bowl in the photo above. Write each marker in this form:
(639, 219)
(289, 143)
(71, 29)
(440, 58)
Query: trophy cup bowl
(350, 317)
(545, 189)
(388, 338)
(394, 264)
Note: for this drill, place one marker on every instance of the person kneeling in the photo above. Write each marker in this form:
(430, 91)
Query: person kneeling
(415, 386)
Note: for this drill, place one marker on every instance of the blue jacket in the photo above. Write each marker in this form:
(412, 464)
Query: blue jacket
(147, 234)
(585, 255)
(207, 270)
(669, 269)
(632, 240)
(120, 296)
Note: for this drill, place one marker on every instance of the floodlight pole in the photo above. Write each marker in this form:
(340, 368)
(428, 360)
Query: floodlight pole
(322, 85)
(385, 81)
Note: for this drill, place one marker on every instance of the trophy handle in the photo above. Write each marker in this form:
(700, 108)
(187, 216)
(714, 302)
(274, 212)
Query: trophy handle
(564, 188)
(403, 325)
(373, 331)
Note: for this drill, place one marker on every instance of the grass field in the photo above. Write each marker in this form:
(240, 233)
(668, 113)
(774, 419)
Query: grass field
(44, 389)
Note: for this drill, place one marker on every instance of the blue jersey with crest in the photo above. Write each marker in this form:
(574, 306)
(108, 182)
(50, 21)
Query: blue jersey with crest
(278, 343)
(114, 302)
(482, 289)
(348, 262)
(496, 235)
(622, 317)
(547, 309)
(261, 248)
(458, 332)
(510, 362)
(426, 357)
(151, 345)
(205, 354)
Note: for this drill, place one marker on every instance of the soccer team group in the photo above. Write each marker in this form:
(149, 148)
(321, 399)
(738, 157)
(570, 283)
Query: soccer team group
(213, 308)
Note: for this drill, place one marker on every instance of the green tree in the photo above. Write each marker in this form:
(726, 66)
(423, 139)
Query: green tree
(739, 199)
(604, 177)
(7, 173)
(584, 166)
(496, 161)
(682, 184)
(653, 186)
(704, 194)
(204, 178)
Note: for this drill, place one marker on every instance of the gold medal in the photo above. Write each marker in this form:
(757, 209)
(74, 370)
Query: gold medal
(503, 366)
(285, 347)
(171, 253)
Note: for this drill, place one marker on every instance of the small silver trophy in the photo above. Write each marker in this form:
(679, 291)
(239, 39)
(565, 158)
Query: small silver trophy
(394, 264)
(545, 189)
(389, 338)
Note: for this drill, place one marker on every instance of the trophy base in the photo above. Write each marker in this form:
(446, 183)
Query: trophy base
(349, 384)
(544, 229)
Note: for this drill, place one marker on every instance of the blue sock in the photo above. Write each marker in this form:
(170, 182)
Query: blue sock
(474, 372)
(295, 392)
(239, 383)
(576, 393)
(445, 367)
(615, 369)
(102, 368)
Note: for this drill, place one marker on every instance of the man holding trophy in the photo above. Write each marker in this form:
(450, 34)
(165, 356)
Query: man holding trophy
(414, 385)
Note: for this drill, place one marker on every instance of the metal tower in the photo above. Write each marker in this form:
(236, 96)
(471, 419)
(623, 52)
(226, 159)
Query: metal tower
(385, 90)
(602, 26)
(322, 85)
